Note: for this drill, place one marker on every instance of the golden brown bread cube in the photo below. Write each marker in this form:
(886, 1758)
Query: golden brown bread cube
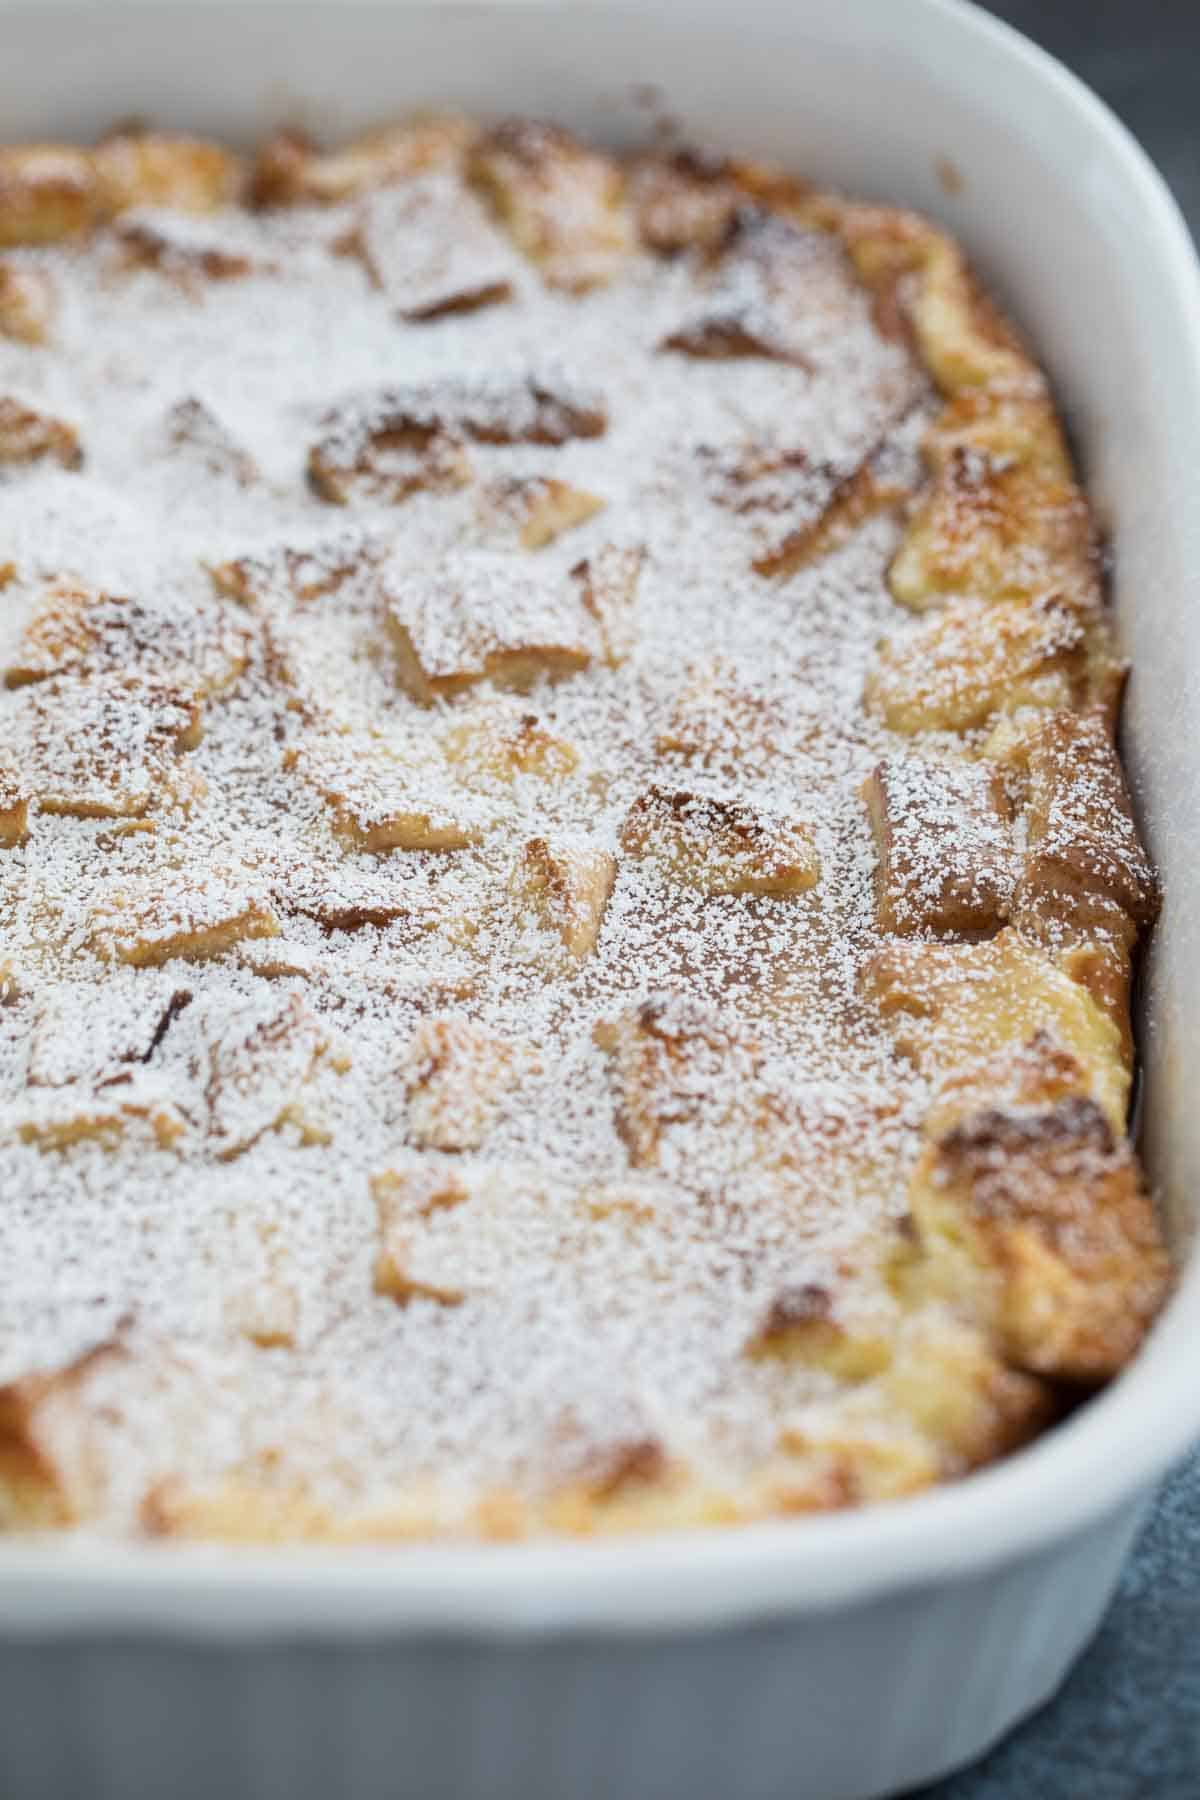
(27, 302)
(153, 920)
(720, 846)
(106, 1117)
(565, 885)
(1037, 1224)
(963, 665)
(290, 171)
(1024, 1074)
(527, 512)
(45, 1478)
(498, 741)
(997, 530)
(802, 1326)
(456, 1075)
(104, 745)
(483, 616)
(14, 805)
(260, 1062)
(675, 1061)
(608, 583)
(952, 1006)
(430, 249)
(1013, 423)
(398, 439)
(76, 630)
(181, 252)
(28, 436)
(299, 574)
(718, 718)
(192, 430)
(773, 291)
(832, 503)
(404, 1199)
(943, 835)
(161, 168)
(562, 203)
(47, 192)
(382, 800)
(1085, 867)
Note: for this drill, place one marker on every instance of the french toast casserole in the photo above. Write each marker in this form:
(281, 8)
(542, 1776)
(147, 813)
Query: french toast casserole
(567, 894)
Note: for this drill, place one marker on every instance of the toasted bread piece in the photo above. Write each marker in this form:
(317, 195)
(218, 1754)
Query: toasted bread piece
(801, 1326)
(60, 1119)
(46, 1478)
(456, 1075)
(290, 171)
(997, 530)
(483, 617)
(14, 806)
(804, 509)
(952, 1006)
(193, 431)
(1085, 868)
(260, 1062)
(156, 919)
(93, 1034)
(720, 846)
(608, 582)
(562, 204)
(397, 440)
(382, 800)
(774, 288)
(1037, 1224)
(28, 436)
(75, 630)
(28, 301)
(675, 1061)
(971, 661)
(405, 1199)
(299, 573)
(566, 886)
(717, 718)
(181, 250)
(497, 741)
(47, 192)
(943, 834)
(429, 248)
(105, 746)
(161, 168)
(526, 512)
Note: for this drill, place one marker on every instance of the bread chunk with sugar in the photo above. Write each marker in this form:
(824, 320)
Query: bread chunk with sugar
(104, 745)
(674, 1061)
(527, 512)
(289, 170)
(429, 248)
(1038, 1224)
(719, 845)
(954, 1005)
(77, 630)
(565, 886)
(383, 799)
(156, 919)
(47, 193)
(1085, 868)
(28, 302)
(562, 203)
(261, 1061)
(773, 286)
(456, 1076)
(943, 836)
(972, 660)
(28, 437)
(484, 616)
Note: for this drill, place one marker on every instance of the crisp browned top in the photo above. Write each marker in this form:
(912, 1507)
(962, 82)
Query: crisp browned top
(566, 897)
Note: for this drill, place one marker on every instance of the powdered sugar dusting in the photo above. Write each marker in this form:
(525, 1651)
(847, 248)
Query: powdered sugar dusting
(604, 1303)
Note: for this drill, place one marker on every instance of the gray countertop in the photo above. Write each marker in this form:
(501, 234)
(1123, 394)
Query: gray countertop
(1126, 1726)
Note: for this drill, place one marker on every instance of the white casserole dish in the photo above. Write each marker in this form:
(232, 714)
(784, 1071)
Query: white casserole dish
(845, 1656)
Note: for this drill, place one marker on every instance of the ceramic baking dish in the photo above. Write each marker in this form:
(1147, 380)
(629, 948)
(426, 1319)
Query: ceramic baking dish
(844, 1656)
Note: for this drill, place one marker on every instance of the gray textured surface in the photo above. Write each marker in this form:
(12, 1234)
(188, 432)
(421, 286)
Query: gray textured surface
(1127, 1724)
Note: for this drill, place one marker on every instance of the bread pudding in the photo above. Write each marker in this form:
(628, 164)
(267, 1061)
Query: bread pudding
(568, 899)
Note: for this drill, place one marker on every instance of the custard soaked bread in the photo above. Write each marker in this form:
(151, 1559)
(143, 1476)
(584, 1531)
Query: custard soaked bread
(567, 896)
